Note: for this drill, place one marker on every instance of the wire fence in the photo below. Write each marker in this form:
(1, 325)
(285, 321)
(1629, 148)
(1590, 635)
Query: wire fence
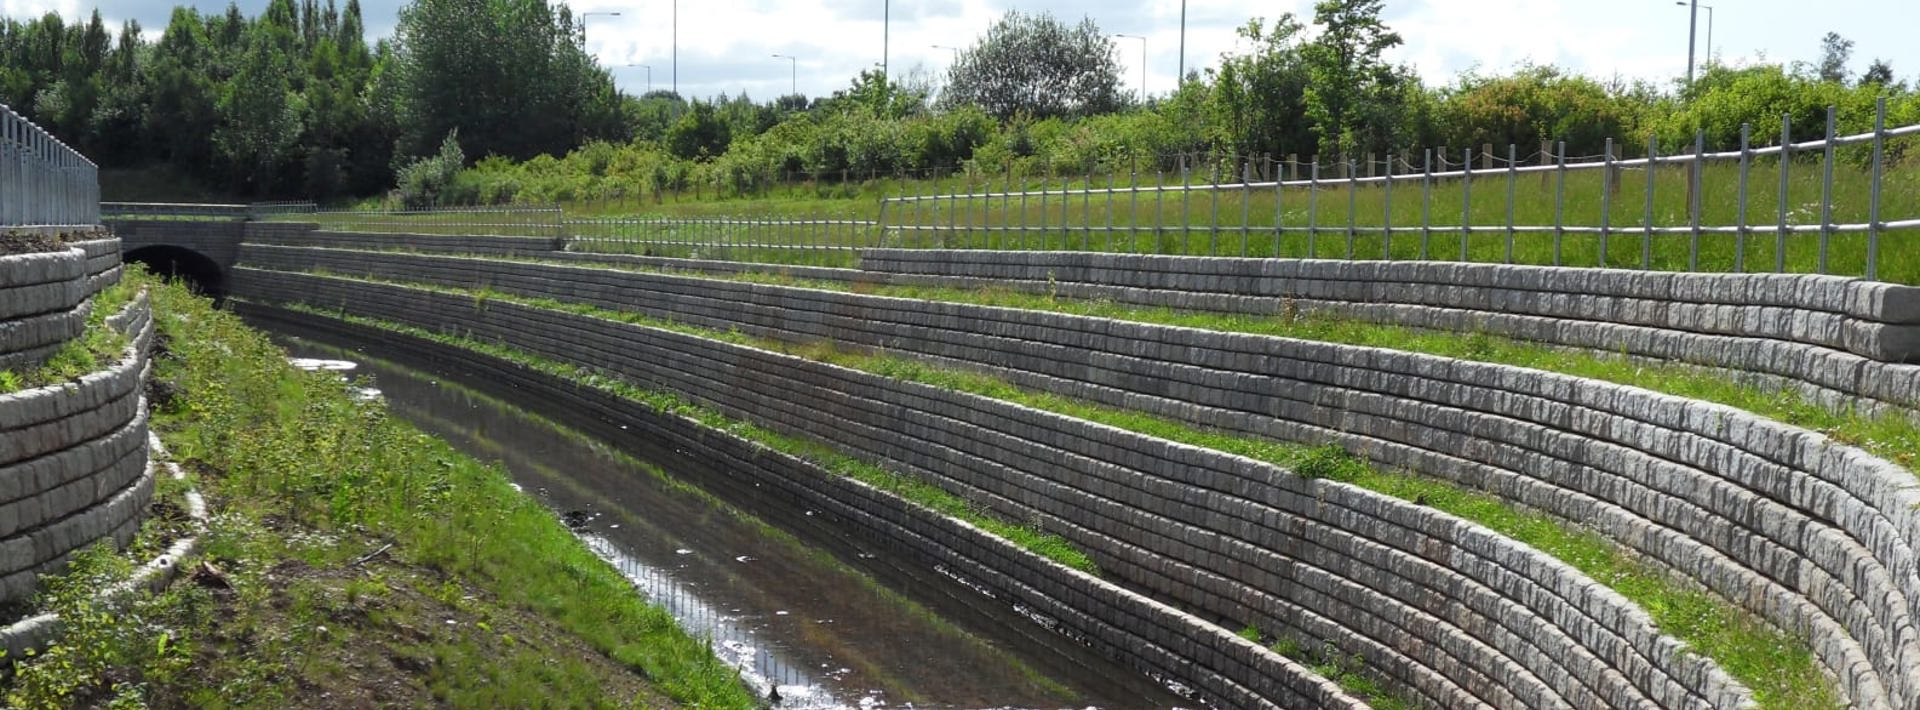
(43, 183)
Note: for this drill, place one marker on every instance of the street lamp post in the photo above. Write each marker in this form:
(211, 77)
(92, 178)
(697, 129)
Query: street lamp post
(1693, 27)
(1181, 78)
(583, 21)
(1143, 63)
(793, 73)
(886, 29)
(649, 69)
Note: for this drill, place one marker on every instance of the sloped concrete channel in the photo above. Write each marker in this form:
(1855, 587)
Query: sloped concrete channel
(794, 609)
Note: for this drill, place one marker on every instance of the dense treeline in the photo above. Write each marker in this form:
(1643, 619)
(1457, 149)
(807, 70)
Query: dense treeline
(1331, 97)
(296, 103)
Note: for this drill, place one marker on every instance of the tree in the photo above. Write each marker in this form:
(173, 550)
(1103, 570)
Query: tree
(1258, 102)
(1834, 53)
(1353, 95)
(1879, 73)
(259, 124)
(1034, 65)
(511, 76)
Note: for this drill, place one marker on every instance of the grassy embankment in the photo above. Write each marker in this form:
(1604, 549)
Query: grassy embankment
(353, 561)
(1779, 667)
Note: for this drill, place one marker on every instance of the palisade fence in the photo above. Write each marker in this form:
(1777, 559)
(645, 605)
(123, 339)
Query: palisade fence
(43, 183)
(1792, 205)
(1823, 205)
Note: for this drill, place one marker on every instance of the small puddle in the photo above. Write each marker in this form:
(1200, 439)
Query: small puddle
(797, 609)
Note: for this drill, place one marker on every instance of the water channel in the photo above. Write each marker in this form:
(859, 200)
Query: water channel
(827, 620)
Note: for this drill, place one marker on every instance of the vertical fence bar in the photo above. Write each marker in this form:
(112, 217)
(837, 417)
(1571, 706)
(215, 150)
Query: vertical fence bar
(1694, 187)
(1110, 197)
(1646, 235)
(1513, 175)
(1466, 200)
(1353, 200)
(1740, 206)
(1246, 203)
(1279, 217)
(1213, 212)
(1826, 195)
(1386, 222)
(1086, 212)
(1046, 177)
(1212, 246)
(1559, 200)
(1159, 204)
(1186, 207)
(1022, 235)
(1873, 194)
(1313, 209)
(1426, 202)
(953, 210)
(1066, 202)
(1133, 205)
(1780, 226)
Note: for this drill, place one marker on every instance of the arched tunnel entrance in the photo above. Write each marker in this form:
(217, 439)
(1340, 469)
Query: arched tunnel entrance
(200, 273)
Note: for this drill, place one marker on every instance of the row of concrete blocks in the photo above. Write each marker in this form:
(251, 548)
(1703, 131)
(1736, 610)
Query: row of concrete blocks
(44, 298)
(1151, 637)
(1452, 612)
(73, 463)
(1831, 334)
(1756, 530)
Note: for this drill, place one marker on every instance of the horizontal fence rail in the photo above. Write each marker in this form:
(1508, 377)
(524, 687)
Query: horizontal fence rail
(43, 183)
(1451, 210)
(170, 210)
(479, 221)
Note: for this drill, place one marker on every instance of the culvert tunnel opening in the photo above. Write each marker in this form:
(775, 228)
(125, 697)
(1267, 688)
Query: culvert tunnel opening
(200, 273)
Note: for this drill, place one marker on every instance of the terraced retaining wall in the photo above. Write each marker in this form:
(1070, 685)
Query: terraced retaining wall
(1812, 534)
(73, 461)
(1154, 638)
(1845, 337)
(310, 234)
(1448, 612)
(44, 298)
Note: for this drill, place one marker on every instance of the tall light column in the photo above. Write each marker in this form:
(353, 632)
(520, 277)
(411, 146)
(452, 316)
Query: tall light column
(1181, 79)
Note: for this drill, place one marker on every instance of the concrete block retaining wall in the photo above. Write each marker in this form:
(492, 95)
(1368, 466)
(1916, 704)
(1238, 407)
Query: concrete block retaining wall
(1154, 638)
(73, 462)
(1840, 335)
(1448, 611)
(1814, 535)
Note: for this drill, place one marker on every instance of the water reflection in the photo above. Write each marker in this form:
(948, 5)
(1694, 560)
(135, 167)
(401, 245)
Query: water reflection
(796, 621)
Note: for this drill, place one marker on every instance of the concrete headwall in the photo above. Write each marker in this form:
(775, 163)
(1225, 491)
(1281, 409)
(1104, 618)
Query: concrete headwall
(1814, 535)
(1449, 612)
(1843, 337)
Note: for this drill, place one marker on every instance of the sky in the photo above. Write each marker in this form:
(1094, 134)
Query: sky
(726, 46)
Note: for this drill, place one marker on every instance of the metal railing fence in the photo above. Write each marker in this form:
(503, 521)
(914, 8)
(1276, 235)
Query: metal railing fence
(172, 210)
(640, 233)
(1289, 216)
(43, 183)
(528, 221)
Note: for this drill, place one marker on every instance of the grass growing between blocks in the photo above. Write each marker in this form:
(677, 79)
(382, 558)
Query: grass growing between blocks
(1778, 667)
(355, 562)
(1890, 436)
(97, 347)
(1032, 538)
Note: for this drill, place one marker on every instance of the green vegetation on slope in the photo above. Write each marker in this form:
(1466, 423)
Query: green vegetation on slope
(1777, 666)
(1030, 537)
(354, 555)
